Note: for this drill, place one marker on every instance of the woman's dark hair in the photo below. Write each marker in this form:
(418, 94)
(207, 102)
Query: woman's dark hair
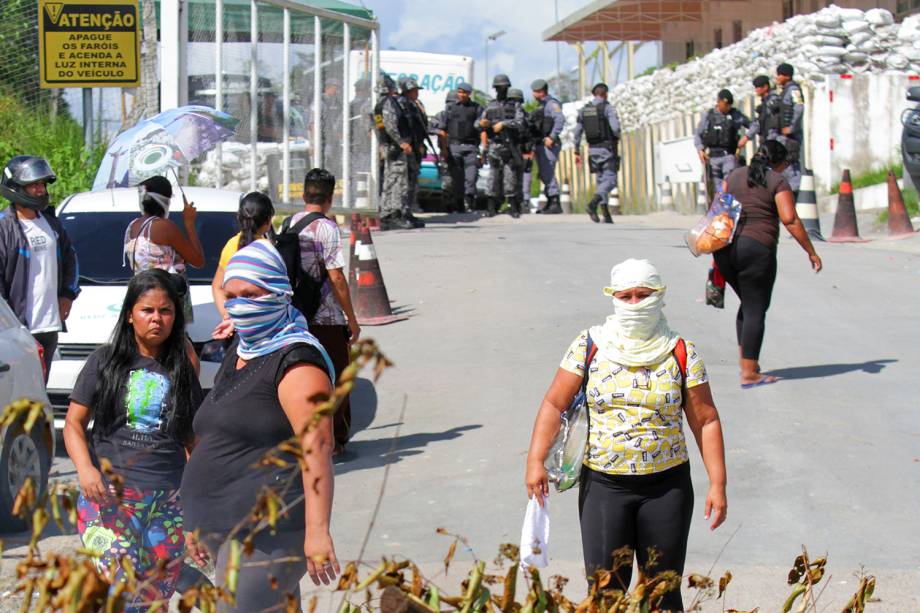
(256, 210)
(118, 355)
(769, 155)
(158, 185)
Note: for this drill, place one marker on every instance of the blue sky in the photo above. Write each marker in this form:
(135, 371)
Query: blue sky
(460, 27)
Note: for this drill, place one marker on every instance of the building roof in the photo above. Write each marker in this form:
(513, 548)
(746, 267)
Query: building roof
(636, 20)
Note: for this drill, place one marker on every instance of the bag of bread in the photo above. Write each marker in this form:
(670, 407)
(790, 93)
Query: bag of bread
(716, 228)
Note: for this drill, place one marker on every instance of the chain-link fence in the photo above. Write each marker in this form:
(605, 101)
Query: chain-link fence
(285, 74)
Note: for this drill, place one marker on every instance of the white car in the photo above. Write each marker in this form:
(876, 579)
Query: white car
(96, 223)
(22, 454)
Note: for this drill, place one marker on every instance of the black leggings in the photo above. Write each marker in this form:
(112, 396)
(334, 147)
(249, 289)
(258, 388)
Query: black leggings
(637, 511)
(749, 267)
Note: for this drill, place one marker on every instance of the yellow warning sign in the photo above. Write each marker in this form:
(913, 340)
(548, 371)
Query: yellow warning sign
(89, 43)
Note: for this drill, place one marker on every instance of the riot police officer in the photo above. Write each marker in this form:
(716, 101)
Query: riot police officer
(548, 121)
(792, 134)
(461, 132)
(437, 126)
(418, 130)
(718, 134)
(500, 126)
(525, 146)
(600, 124)
(767, 121)
(395, 133)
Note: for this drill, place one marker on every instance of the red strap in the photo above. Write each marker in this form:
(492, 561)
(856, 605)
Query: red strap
(680, 353)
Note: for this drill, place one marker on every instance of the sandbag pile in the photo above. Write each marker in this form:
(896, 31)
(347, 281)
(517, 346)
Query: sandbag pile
(832, 41)
(235, 159)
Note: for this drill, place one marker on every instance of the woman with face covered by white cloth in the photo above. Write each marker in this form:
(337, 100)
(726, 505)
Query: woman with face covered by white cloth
(635, 483)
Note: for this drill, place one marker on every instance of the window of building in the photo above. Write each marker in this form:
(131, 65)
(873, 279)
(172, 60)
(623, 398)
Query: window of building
(736, 31)
(691, 49)
(717, 38)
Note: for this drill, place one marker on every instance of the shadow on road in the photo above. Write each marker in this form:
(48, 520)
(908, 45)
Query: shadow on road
(873, 367)
(363, 405)
(361, 455)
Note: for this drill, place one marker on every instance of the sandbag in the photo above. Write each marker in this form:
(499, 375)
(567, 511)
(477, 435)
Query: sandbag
(832, 51)
(861, 37)
(850, 15)
(911, 53)
(879, 17)
(856, 57)
(831, 41)
(827, 20)
(897, 61)
(853, 27)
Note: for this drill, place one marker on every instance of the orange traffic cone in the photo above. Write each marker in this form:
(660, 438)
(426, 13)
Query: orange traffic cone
(369, 296)
(845, 229)
(899, 225)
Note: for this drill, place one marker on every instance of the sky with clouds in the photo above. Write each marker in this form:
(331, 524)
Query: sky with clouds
(461, 26)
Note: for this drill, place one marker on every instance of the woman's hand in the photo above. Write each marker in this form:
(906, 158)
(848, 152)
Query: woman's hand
(93, 486)
(195, 549)
(716, 505)
(189, 213)
(322, 565)
(816, 263)
(224, 330)
(537, 481)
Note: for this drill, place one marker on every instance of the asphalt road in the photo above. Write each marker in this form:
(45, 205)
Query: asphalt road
(828, 458)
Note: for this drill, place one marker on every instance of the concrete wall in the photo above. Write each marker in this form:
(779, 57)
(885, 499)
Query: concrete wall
(855, 123)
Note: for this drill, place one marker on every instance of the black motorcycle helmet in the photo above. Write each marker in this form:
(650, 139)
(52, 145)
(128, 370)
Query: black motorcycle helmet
(24, 170)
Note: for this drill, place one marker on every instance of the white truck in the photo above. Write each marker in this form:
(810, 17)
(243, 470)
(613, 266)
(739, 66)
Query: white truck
(436, 73)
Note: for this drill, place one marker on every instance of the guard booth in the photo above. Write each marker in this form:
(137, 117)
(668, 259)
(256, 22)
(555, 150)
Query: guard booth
(281, 67)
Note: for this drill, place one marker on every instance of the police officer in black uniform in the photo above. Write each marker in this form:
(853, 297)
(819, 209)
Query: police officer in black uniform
(500, 125)
(718, 134)
(792, 133)
(463, 138)
(767, 124)
(418, 134)
(437, 127)
(600, 124)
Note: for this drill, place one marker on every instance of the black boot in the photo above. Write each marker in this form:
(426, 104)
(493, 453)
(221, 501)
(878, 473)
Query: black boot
(515, 208)
(552, 206)
(592, 208)
(493, 207)
(395, 221)
(470, 204)
(606, 211)
(413, 221)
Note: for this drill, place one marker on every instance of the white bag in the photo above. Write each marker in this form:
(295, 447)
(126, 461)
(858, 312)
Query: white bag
(535, 535)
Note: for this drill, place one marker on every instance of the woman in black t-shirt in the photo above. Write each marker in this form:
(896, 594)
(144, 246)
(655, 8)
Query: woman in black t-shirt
(141, 393)
(749, 262)
(267, 390)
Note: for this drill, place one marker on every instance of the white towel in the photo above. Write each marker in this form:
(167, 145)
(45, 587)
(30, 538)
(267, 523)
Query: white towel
(535, 535)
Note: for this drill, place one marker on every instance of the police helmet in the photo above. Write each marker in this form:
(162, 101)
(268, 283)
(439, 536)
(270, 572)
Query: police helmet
(539, 84)
(407, 84)
(24, 170)
(451, 96)
(362, 84)
(386, 85)
(463, 85)
(515, 94)
(601, 85)
(501, 80)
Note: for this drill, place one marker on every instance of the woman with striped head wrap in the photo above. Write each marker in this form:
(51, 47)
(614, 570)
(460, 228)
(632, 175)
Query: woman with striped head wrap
(265, 392)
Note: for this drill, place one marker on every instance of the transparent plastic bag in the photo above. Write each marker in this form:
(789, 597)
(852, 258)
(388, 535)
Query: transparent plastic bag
(716, 229)
(566, 456)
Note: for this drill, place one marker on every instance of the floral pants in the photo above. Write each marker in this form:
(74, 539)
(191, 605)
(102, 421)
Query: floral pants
(145, 527)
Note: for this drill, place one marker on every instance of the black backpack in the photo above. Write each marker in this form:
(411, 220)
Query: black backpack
(307, 290)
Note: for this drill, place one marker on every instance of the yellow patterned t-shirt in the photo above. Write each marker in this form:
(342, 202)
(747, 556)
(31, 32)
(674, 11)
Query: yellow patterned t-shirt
(635, 412)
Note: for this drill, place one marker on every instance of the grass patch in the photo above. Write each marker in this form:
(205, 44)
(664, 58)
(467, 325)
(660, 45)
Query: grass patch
(58, 139)
(873, 177)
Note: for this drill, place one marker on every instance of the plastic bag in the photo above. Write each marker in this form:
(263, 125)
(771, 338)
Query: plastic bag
(566, 456)
(535, 535)
(716, 228)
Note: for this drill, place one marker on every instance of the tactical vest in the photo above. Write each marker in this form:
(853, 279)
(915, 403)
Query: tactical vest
(501, 110)
(542, 122)
(402, 123)
(596, 126)
(415, 124)
(787, 109)
(769, 115)
(461, 123)
(721, 132)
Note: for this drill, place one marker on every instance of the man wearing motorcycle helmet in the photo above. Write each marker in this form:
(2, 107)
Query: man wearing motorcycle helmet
(38, 265)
